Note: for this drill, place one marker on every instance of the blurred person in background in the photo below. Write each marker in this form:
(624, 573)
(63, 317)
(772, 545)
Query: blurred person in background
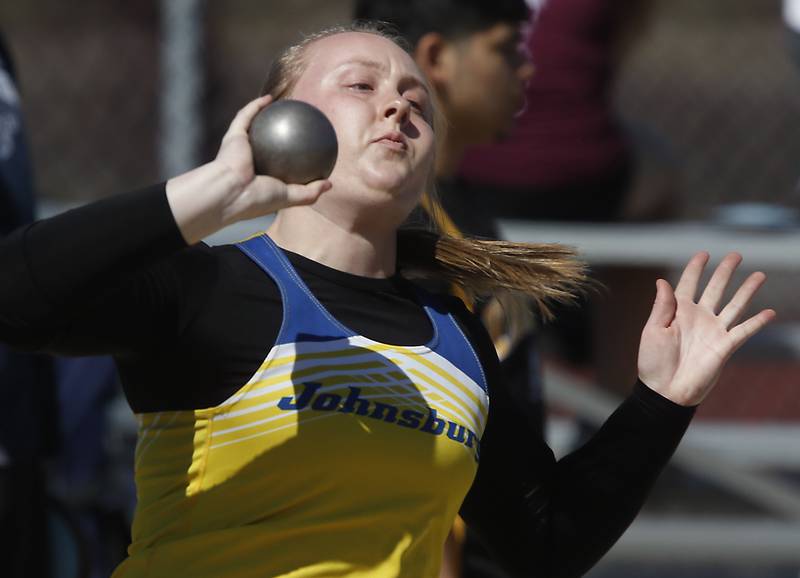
(29, 425)
(568, 158)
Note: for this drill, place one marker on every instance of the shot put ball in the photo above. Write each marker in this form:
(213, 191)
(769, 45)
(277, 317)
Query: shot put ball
(293, 141)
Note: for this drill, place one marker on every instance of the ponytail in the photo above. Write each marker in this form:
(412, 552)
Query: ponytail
(542, 272)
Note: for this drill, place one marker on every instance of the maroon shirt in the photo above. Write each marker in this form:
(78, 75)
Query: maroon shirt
(568, 134)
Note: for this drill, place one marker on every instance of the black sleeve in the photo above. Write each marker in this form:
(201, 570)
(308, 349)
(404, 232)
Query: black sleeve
(542, 517)
(85, 281)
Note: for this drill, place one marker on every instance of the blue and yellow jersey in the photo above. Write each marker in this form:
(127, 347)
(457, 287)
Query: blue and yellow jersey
(341, 456)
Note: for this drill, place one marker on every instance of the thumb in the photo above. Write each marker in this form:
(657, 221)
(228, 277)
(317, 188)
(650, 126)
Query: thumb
(306, 194)
(664, 306)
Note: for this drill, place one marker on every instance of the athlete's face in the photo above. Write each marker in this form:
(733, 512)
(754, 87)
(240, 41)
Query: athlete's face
(379, 104)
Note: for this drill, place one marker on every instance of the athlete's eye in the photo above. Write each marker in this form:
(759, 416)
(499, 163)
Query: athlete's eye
(418, 101)
(361, 86)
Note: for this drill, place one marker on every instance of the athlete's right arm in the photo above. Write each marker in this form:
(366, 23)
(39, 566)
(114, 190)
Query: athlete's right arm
(62, 276)
(83, 282)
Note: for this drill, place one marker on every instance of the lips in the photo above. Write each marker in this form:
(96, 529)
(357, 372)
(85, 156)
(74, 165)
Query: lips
(393, 139)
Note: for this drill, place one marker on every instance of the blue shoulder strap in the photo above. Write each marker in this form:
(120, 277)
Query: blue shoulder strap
(451, 343)
(304, 319)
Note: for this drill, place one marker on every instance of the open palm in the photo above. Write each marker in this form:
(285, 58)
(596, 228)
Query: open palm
(685, 344)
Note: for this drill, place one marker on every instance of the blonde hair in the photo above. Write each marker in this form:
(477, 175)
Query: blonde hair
(289, 65)
(512, 272)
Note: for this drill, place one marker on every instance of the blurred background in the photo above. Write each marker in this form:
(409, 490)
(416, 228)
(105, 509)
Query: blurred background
(117, 95)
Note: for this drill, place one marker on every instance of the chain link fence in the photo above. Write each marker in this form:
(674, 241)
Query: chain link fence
(715, 82)
(712, 83)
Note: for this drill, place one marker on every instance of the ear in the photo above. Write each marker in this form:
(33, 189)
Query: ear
(432, 55)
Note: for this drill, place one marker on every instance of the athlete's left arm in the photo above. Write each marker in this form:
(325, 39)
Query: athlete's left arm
(542, 517)
(555, 519)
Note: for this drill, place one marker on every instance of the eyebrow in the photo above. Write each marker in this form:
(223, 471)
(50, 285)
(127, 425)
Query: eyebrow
(375, 65)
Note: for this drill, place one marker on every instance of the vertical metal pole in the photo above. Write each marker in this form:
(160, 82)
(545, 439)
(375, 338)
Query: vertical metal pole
(182, 80)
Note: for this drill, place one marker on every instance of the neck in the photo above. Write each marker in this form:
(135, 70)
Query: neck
(369, 254)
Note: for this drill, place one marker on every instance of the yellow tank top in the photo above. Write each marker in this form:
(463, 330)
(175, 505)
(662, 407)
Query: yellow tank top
(341, 456)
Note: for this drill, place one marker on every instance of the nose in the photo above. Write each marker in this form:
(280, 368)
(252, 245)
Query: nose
(526, 71)
(399, 108)
(524, 66)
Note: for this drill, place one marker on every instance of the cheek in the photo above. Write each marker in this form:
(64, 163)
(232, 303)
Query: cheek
(508, 88)
(482, 99)
(337, 112)
(349, 121)
(493, 69)
(427, 145)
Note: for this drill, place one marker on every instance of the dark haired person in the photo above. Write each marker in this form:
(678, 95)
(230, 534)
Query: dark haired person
(571, 157)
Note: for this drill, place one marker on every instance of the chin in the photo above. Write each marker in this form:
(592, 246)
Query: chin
(502, 131)
(501, 135)
(392, 180)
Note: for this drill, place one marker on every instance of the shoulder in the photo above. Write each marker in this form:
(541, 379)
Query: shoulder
(214, 262)
(476, 334)
(210, 278)
(469, 322)
(473, 329)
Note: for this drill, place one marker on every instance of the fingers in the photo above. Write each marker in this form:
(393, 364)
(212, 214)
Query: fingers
(271, 194)
(664, 307)
(712, 295)
(241, 122)
(687, 286)
(306, 194)
(266, 195)
(741, 299)
(747, 329)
